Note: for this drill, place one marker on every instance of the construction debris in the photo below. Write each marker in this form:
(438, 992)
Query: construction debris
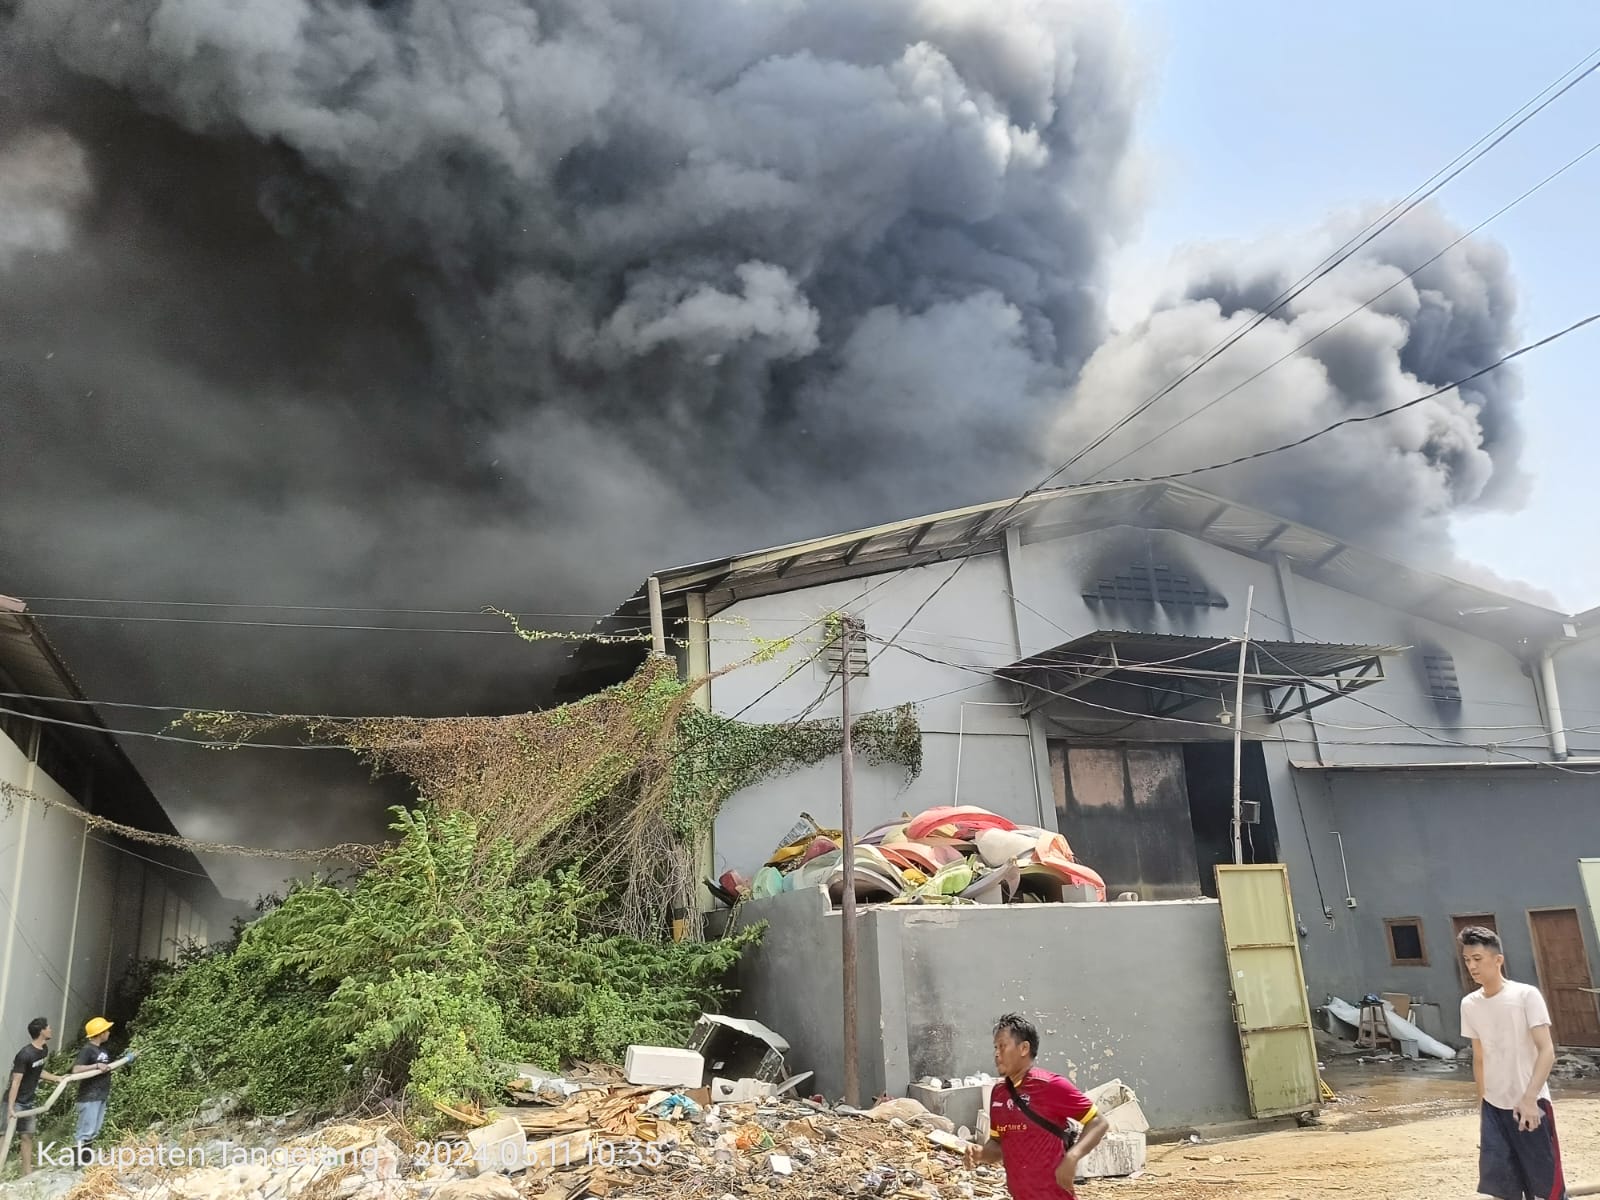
(624, 1144)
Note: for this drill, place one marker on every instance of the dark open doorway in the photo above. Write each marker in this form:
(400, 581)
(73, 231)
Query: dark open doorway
(1208, 769)
(1155, 819)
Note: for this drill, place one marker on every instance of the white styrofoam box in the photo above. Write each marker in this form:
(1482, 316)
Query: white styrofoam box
(1118, 1154)
(663, 1066)
(981, 1129)
(1118, 1104)
(959, 1104)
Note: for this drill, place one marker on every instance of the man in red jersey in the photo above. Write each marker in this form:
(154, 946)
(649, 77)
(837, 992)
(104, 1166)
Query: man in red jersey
(1029, 1111)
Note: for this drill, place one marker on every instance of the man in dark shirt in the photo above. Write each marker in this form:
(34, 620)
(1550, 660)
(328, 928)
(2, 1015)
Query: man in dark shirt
(27, 1068)
(95, 1061)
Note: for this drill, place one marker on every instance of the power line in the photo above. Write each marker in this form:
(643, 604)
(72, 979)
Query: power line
(1257, 710)
(1472, 154)
(1337, 258)
(236, 621)
(1379, 415)
(1211, 725)
(339, 608)
(165, 737)
(1411, 274)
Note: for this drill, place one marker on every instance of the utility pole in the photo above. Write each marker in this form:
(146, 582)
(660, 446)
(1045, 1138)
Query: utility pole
(1238, 730)
(847, 786)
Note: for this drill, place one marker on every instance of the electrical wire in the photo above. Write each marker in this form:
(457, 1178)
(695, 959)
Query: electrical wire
(1357, 420)
(1258, 710)
(1211, 725)
(1339, 257)
(1360, 308)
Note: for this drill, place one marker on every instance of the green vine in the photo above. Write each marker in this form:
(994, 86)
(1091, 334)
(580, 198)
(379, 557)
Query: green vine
(727, 756)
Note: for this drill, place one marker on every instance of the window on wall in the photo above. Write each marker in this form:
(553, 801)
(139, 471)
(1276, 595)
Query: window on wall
(1406, 948)
(1442, 681)
(1153, 584)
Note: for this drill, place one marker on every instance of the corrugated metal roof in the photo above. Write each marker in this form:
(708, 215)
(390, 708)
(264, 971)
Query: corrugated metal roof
(981, 529)
(30, 661)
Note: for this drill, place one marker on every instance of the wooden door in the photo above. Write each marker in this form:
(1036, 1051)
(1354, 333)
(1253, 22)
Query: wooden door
(1457, 924)
(1563, 966)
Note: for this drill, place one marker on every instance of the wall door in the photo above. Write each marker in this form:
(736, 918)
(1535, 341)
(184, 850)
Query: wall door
(1564, 978)
(1269, 989)
(1457, 924)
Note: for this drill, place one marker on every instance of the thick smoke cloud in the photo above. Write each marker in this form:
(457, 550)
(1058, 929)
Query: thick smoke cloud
(1391, 484)
(421, 305)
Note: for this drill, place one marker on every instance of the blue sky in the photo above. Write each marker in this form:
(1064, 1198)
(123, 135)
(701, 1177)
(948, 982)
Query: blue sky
(1262, 118)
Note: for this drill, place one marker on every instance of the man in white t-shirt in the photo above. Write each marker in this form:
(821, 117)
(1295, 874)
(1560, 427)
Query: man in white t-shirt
(1519, 1157)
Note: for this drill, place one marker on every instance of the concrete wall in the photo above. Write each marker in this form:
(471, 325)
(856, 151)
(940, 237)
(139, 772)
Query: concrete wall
(66, 906)
(1136, 991)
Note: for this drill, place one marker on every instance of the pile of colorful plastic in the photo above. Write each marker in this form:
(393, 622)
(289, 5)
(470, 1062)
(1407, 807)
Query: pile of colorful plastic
(941, 856)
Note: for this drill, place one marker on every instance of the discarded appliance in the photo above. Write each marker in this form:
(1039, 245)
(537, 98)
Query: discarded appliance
(663, 1066)
(738, 1048)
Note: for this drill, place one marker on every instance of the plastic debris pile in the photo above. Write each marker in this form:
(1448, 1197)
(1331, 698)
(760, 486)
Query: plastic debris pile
(947, 855)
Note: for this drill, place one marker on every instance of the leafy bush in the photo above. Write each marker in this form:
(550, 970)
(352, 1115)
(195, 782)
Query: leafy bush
(438, 967)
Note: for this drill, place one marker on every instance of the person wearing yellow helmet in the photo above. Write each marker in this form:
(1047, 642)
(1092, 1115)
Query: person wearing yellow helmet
(96, 1090)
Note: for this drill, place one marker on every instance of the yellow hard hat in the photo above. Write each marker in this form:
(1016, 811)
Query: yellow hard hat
(96, 1026)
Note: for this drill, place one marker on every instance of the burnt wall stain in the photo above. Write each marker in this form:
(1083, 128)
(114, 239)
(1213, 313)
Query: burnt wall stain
(1136, 583)
(1437, 678)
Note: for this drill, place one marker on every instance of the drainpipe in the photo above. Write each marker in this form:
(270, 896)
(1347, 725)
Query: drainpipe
(1552, 704)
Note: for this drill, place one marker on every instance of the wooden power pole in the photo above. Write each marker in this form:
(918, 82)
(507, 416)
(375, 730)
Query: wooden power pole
(1238, 733)
(848, 628)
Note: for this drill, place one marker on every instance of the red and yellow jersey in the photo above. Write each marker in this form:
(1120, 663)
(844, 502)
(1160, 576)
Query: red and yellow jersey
(1032, 1152)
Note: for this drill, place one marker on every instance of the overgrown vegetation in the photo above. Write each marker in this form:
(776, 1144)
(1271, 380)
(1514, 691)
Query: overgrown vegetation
(622, 783)
(441, 965)
(521, 915)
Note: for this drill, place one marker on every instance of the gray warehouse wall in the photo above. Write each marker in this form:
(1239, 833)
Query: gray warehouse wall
(1438, 844)
(1136, 991)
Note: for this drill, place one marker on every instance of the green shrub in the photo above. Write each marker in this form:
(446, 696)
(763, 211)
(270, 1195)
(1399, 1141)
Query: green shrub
(438, 967)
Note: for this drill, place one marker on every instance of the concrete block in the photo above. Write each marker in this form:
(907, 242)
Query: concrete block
(958, 1104)
(1118, 1154)
(663, 1066)
(501, 1147)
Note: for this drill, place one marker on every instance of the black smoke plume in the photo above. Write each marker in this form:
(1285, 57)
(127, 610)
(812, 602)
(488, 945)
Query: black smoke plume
(409, 304)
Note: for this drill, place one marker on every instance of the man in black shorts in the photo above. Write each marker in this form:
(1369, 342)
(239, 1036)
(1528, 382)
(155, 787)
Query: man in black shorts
(27, 1068)
(1512, 1053)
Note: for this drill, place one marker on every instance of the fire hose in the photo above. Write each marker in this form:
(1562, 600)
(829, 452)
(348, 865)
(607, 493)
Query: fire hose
(61, 1084)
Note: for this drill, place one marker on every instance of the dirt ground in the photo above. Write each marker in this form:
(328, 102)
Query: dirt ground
(1395, 1133)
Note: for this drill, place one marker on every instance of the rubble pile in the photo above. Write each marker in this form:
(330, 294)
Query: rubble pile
(945, 855)
(613, 1142)
(592, 1133)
